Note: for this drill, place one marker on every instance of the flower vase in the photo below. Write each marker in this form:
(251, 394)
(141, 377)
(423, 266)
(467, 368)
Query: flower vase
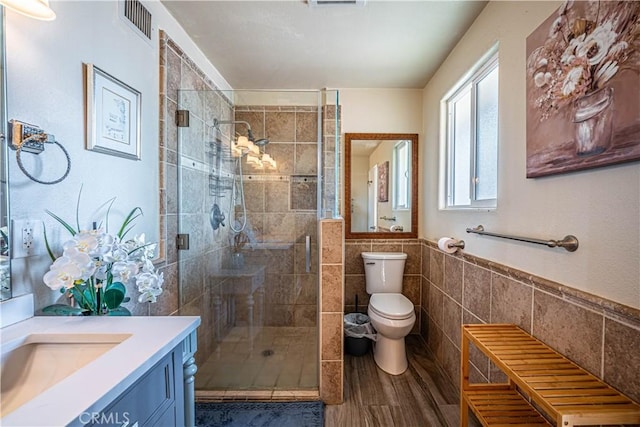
(237, 260)
(593, 118)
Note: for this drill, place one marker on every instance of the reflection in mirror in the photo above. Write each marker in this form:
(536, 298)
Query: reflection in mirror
(5, 275)
(381, 185)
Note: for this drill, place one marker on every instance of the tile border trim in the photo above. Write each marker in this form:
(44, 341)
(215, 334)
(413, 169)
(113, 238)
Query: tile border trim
(593, 302)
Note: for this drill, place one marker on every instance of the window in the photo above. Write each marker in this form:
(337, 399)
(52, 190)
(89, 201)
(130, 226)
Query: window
(401, 175)
(471, 138)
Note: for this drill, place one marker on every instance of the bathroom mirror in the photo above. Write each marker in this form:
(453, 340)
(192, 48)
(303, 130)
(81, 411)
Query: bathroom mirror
(381, 185)
(5, 275)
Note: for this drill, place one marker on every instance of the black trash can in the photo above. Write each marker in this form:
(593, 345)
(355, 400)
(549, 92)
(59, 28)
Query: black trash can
(358, 334)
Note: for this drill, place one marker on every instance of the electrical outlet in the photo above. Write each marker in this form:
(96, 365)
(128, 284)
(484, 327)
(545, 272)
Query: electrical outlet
(27, 238)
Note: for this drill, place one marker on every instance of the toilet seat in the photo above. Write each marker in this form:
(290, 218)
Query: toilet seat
(391, 306)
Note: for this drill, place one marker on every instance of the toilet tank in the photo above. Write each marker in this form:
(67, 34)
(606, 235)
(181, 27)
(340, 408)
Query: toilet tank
(383, 271)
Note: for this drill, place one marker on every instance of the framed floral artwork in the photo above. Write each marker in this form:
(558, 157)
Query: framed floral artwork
(583, 88)
(112, 110)
(383, 182)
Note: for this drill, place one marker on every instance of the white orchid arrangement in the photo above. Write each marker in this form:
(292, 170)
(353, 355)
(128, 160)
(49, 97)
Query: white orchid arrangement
(582, 53)
(96, 266)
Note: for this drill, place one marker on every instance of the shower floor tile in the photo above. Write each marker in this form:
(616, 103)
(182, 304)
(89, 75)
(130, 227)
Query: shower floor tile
(278, 358)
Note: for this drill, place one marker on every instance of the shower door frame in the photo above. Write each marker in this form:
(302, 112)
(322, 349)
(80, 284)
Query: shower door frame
(184, 305)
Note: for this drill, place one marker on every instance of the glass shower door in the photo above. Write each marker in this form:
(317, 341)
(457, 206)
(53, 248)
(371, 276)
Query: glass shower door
(251, 269)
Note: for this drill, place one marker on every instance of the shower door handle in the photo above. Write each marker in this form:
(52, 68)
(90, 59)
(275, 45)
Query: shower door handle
(307, 244)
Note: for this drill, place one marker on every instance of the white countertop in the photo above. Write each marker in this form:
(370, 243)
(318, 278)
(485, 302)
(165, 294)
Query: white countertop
(98, 383)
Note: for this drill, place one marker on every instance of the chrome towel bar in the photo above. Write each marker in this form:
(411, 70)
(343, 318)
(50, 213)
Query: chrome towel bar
(570, 243)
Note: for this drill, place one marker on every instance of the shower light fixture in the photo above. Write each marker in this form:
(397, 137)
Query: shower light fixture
(38, 9)
(243, 142)
(236, 151)
(241, 146)
(268, 161)
(253, 160)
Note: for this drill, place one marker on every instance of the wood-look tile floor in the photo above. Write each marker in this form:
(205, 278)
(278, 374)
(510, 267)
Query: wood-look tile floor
(422, 396)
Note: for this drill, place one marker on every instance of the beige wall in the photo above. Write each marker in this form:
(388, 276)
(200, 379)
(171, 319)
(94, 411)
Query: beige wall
(381, 110)
(599, 206)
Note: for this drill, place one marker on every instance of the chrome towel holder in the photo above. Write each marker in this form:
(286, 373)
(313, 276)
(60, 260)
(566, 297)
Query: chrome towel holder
(569, 242)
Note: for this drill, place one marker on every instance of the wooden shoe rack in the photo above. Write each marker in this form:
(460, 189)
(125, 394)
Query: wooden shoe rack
(539, 377)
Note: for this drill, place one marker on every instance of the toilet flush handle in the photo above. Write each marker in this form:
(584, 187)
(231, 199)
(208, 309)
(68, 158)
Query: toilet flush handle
(370, 263)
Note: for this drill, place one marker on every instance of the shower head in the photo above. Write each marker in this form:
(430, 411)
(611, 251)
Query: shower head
(259, 142)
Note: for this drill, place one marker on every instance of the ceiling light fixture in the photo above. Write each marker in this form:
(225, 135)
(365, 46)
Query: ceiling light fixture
(38, 9)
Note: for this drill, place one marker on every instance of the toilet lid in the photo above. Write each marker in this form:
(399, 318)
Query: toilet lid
(391, 306)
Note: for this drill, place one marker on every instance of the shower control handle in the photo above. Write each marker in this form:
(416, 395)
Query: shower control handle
(307, 241)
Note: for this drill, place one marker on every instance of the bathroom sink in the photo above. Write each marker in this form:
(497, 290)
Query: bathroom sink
(36, 362)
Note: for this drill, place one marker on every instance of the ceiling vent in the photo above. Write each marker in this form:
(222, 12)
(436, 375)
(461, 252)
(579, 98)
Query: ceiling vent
(315, 3)
(138, 17)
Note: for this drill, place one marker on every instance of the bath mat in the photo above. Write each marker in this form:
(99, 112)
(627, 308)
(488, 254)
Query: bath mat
(260, 414)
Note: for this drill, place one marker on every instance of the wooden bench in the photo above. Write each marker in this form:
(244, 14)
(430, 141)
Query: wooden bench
(563, 390)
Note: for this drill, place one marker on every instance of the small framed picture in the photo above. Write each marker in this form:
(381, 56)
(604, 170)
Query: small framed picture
(383, 182)
(112, 110)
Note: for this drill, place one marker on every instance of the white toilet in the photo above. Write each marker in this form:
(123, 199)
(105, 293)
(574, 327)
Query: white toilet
(392, 314)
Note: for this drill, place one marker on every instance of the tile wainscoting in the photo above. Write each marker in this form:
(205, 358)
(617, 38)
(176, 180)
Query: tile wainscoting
(331, 233)
(448, 290)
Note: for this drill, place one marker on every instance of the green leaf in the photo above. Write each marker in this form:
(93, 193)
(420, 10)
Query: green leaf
(133, 215)
(84, 297)
(120, 311)
(62, 222)
(106, 222)
(116, 285)
(63, 310)
(114, 296)
(46, 244)
(79, 296)
(78, 207)
(126, 232)
(141, 247)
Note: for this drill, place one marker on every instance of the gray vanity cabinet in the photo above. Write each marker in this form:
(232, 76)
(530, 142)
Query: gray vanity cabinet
(162, 397)
(156, 399)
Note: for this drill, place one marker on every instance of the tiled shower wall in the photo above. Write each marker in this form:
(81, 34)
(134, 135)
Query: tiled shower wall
(450, 290)
(281, 210)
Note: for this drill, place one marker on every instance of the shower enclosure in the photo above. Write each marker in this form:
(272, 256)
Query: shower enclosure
(255, 174)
